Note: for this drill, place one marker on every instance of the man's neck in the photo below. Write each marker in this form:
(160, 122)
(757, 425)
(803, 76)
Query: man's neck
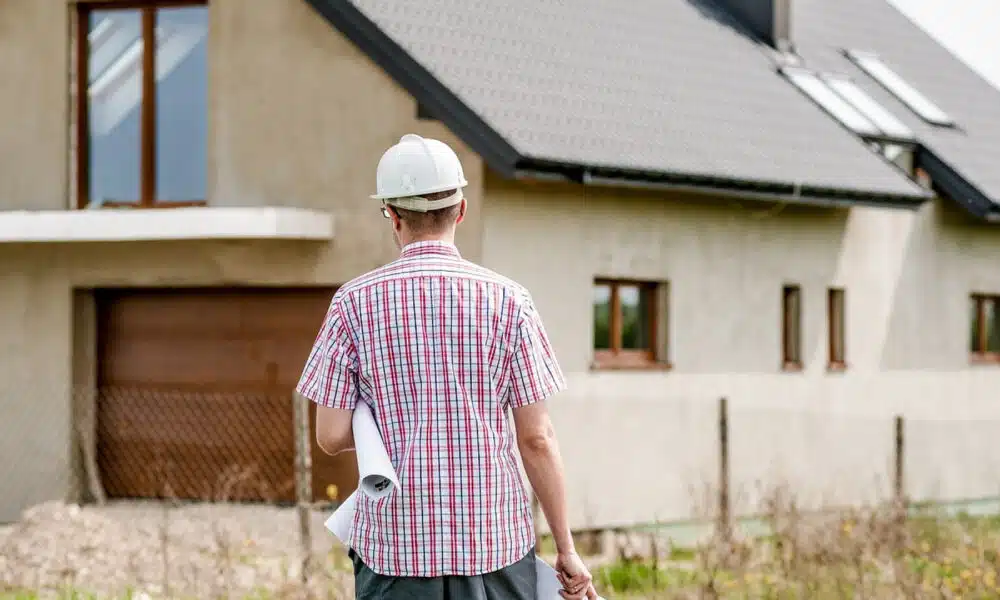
(444, 239)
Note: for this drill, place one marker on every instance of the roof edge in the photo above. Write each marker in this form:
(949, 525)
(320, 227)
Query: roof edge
(957, 188)
(501, 156)
(392, 58)
(728, 187)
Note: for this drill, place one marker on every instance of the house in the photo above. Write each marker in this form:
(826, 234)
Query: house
(790, 203)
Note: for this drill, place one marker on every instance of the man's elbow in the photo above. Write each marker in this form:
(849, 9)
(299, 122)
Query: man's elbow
(540, 441)
(333, 443)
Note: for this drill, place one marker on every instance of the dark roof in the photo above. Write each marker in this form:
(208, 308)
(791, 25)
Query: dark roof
(665, 91)
(962, 159)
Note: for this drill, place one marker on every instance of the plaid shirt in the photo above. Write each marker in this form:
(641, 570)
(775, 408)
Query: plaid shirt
(440, 348)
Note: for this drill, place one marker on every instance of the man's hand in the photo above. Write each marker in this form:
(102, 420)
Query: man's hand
(575, 578)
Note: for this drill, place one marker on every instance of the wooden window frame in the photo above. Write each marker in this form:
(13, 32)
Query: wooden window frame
(836, 309)
(147, 123)
(789, 362)
(980, 355)
(616, 357)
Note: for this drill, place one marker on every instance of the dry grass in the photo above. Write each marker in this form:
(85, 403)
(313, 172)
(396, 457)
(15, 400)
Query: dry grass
(849, 554)
(160, 550)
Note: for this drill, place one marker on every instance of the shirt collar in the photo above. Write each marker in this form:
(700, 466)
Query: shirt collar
(430, 248)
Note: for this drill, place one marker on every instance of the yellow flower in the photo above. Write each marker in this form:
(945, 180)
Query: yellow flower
(966, 574)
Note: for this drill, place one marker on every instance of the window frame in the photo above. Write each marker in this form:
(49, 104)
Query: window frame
(617, 357)
(836, 321)
(789, 362)
(981, 355)
(147, 118)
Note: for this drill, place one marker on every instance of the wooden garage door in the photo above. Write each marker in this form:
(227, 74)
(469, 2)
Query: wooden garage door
(195, 393)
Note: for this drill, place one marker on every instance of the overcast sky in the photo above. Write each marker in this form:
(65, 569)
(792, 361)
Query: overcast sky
(969, 28)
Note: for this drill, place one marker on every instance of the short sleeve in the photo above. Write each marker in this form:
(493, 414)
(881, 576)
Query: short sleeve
(535, 372)
(330, 377)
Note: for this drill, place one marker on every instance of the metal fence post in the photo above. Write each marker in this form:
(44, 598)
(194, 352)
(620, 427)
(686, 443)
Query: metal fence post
(724, 524)
(898, 469)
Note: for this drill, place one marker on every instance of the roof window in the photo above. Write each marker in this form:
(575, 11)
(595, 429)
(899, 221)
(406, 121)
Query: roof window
(849, 104)
(879, 71)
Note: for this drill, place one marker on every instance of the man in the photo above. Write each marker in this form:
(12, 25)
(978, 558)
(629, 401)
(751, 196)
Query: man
(443, 350)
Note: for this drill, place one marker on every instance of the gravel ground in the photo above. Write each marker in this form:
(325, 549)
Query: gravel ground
(154, 550)
(191, 551)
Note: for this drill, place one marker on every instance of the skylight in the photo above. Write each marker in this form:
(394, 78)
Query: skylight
(842, 110)
(883, 119)
(849, 104)
(890, 80)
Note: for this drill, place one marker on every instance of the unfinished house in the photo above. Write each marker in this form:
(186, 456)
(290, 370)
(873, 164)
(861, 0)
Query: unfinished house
(788, 203)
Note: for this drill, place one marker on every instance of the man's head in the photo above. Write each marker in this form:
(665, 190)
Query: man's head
(419, 182)
(414, 226)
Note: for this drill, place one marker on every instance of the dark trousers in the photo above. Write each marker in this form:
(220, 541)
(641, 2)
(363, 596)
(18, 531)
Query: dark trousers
(514, 582)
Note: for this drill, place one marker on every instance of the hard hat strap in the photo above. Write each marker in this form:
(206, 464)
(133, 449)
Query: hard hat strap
(421, 204)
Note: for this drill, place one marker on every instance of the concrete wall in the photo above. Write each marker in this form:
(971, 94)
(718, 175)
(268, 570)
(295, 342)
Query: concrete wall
(298, 117)
(35, 411)
(34, 102)
(639, 444)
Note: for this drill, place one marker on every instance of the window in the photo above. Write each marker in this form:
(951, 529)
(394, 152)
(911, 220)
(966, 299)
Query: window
(849, 104)
(836, 328)
(985, 328)
(879, 71)
(888, 124)
(842, 110)
(142, 107)
(629, 324)
(791, 327)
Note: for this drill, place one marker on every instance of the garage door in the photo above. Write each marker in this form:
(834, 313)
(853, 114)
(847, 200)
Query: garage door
(195, 393)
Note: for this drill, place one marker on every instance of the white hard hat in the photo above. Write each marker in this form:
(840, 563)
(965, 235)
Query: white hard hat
(417, 166)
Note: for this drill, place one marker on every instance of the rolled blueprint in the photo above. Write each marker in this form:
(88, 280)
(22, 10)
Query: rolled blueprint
(375, 473)
(378, 478)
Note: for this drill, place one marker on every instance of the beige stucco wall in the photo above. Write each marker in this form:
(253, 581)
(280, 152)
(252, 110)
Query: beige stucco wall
(34, 102)
(298, 117)
(638, 446)
(35, 357)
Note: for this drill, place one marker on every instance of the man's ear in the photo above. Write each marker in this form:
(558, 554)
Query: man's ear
(461, 212)
(394, 217)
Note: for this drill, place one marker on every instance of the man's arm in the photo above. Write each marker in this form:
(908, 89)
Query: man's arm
(536, 440)
(330, 379)
(535, 376)
(334, 431)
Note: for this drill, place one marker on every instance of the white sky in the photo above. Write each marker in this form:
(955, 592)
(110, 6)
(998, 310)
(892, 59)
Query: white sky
(969, 28)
